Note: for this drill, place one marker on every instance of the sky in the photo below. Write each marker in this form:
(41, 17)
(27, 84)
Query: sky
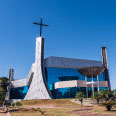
(77, 29)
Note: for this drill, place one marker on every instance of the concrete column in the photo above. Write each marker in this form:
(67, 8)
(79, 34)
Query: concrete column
(86, 87)
(97, 83)
(92, 87)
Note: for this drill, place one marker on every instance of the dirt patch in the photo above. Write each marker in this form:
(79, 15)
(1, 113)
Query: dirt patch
(86, 111)
(42, 106)
(2, 113)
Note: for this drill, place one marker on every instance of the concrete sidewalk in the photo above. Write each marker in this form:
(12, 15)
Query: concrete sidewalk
(86, 102)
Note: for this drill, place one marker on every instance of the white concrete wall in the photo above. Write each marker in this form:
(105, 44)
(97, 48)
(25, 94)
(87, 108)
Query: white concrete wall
(18, 83)
(37, 88)
(78, 83)
(65, 84)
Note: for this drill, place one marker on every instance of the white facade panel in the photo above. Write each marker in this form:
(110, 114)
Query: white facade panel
(37, 88)
(18, 83)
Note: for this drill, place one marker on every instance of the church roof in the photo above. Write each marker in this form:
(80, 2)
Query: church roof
(63, 62)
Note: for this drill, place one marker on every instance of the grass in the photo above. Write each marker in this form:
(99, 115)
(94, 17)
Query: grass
(61, 108)
(57, 102)
(48, 112)
(26, 114)
(38, 114)
(102, 110)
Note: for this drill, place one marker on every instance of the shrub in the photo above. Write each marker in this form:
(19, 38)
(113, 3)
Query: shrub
(6, 103)
(13, 104)
(108, 104)
(18, 104)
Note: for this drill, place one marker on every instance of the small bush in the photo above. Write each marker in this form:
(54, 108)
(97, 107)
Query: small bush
(13, 104)
(108, 104)
(18, 104)
(7, 104)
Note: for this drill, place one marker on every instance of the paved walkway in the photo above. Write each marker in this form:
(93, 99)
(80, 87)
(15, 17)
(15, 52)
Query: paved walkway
(85, 103)
(88, 106)
(86, 111)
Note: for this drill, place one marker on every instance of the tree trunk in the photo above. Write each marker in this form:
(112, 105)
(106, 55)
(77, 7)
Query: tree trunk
(109, 107)
(81, 102)
(97, 100)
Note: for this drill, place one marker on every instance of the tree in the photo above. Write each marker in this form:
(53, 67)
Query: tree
(108, 104)
(114, 91)
(4, 83)
(2, 95)
(97, 96)
(18, 104)
(106, 94)
(3, 89)
(80, 96)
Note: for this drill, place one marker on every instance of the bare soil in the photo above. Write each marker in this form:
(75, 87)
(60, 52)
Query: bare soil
(87, 111)
(2, 113)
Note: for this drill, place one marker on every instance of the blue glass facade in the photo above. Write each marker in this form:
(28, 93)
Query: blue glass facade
(100, 78)
(55, 74)
(18, 93)
(68, 92)
(95, 90)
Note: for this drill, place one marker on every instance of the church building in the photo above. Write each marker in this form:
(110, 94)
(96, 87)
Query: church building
(59, 77)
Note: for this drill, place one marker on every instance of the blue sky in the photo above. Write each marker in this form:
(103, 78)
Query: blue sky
(77, 28)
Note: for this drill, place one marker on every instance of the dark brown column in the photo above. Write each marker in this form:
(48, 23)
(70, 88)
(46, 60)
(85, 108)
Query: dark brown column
(105, 63)
(11, 74)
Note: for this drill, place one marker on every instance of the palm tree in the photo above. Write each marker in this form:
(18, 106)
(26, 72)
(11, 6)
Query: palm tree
(106, 94)
(80, 96)
(97, 96)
